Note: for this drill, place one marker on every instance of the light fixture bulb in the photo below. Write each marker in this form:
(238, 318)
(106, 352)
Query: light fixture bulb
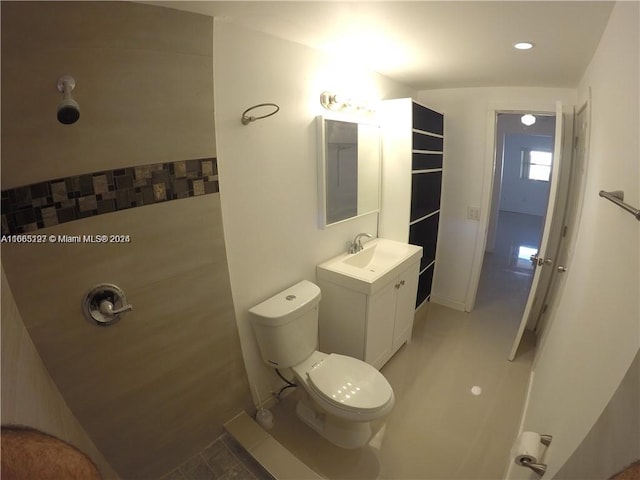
(528, 119)
(523, 45)
(341, 103)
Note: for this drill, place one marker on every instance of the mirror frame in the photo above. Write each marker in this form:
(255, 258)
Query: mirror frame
(322, 169)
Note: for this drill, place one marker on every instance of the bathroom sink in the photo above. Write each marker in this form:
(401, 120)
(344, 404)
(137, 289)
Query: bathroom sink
(373, 267)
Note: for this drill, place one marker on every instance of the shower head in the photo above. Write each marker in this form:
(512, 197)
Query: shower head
(68, 109)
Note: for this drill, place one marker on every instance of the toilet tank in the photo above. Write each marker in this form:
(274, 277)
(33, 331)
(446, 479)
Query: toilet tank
(286, 325)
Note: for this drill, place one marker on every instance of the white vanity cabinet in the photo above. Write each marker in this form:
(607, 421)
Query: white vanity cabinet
(369, 326)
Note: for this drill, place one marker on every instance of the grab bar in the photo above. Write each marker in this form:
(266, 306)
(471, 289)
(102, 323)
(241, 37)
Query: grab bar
(617, 197)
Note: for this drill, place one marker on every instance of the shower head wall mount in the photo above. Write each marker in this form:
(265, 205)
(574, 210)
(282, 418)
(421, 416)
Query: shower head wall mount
(68, 109)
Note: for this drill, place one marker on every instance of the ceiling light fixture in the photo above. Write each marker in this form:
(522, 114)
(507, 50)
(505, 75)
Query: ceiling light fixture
(528, 119)
(523, 45)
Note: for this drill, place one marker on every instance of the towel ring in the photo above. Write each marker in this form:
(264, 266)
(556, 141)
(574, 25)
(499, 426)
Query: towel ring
(246, 120)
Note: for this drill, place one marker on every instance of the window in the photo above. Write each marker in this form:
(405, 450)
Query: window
(524, 256)
(536, 165)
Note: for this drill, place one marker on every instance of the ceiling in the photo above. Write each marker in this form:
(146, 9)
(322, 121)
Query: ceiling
(435, 44)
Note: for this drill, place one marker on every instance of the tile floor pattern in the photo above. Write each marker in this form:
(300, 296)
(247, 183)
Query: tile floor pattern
(224, 459)
(439, 429)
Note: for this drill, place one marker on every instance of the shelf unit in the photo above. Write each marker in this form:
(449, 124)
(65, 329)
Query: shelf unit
(413, 146)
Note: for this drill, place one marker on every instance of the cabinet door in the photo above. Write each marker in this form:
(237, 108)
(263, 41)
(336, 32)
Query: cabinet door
(379, 336)
(342, 320)
(405, 304)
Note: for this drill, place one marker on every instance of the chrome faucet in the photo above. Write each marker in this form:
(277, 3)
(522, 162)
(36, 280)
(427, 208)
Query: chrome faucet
(356, 245)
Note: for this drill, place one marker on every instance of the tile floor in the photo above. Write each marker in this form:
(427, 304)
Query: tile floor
(439, 429)
(224, 459)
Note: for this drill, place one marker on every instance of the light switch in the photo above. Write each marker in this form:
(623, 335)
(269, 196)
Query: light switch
(473, 213)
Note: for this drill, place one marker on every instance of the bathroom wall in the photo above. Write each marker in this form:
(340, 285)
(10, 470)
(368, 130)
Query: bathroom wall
(134, 65)
(268, 168)
(467, 165)
(155, 388)
(614, 440)
(29, 395)
(594, 328)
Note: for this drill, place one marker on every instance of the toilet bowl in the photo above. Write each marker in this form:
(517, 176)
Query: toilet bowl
(345, 386)
(343, 394)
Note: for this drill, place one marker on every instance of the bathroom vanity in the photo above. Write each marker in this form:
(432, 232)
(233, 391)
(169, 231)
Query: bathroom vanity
(368, 300)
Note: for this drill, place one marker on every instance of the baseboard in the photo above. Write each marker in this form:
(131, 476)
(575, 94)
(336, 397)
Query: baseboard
(448, 302)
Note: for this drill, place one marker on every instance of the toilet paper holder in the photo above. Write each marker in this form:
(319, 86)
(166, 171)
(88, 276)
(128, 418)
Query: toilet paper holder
(539, 468)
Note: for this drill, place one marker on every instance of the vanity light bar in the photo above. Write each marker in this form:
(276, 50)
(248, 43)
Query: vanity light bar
(335, 102)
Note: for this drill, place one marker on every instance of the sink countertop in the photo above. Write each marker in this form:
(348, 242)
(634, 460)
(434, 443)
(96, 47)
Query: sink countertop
(372, 268)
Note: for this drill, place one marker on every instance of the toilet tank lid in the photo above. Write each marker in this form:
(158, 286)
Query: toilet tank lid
(288, 304)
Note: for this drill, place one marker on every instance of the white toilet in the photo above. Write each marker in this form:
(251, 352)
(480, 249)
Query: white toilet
(344, 394)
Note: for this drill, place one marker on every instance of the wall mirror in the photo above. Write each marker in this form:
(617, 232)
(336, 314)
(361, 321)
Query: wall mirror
(348, 169)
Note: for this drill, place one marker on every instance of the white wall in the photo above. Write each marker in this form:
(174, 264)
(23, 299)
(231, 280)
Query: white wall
(268, 180)
(614, 440)
(466, 166)
(594, 330)
(29, 395)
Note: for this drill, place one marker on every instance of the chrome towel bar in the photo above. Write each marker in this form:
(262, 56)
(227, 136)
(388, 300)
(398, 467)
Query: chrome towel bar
(617, 197)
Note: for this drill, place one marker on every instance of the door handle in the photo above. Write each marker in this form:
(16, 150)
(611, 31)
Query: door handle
(536, 260)
(562, 269)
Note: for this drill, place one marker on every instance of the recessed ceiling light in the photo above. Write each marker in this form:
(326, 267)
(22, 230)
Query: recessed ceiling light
(523, 45)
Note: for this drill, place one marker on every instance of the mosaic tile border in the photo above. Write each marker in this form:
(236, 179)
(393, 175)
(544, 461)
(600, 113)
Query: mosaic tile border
(45, 204)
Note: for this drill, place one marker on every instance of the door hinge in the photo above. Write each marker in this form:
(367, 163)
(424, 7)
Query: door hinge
(565, 229)
(544, 309)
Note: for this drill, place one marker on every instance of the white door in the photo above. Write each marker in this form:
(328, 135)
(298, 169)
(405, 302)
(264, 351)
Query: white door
(573, 209)
(544, 263)
(406, 289)
(381, 310)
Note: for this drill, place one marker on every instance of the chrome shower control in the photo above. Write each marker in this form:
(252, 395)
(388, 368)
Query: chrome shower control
(104, 304)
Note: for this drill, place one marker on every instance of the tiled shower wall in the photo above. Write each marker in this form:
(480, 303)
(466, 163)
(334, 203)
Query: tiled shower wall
(45, 204)
(29, 396)
(154, 389)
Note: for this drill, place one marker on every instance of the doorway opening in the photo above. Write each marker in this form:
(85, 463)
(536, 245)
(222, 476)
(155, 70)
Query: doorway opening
(520, 196)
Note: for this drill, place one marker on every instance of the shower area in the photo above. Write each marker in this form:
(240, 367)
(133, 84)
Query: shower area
(111, 173)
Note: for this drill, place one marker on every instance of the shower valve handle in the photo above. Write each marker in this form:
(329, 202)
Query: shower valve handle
(106, 308)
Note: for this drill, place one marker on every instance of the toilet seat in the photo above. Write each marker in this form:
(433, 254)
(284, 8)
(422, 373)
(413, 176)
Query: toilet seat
(348, 387)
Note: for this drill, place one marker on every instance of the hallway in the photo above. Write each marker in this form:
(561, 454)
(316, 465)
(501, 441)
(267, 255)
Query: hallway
(507, 271)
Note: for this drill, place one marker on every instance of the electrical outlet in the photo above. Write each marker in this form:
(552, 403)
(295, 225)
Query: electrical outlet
(473, 213)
